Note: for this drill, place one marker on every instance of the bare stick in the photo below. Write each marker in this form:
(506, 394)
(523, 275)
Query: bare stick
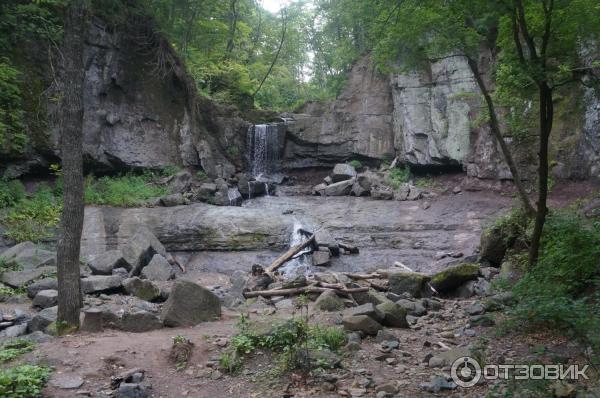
(289, 254)
(301, 290)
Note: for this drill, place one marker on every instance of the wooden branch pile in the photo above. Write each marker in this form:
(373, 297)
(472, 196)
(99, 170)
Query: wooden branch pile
(313, 288)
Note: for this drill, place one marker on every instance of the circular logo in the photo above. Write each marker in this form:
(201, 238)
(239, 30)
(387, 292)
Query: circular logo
(465, 372)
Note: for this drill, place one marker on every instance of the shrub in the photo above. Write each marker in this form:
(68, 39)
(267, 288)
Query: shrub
(357, 164)
(15, 348)
(122, 191)
(201, 175)
(398, 176)
(11, 192)
(31, 218)
(562, 290)
(24, 381)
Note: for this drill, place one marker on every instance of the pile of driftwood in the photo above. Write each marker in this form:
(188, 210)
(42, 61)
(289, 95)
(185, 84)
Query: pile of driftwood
(315, 287)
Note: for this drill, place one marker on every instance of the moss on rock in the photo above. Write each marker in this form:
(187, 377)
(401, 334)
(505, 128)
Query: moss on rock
(451, 278)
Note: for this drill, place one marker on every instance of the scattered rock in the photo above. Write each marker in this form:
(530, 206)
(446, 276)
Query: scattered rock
(329, 301)
(481, 320)
(324, 358)
(104, 263)
(142, 288)
(407, 282)
(42, 284)
(45, 299)
(382, 192)
(321, 258)
(42, 320)
(101, 283)
(451, 278)
(158, 269)
(66, 381)
(176, 199)
(393, 315)
(141, 248)
(19, 279)
(343, 172)
(140, 321)
(367, 309)
(438, 384)
(341, 188)
(475, 309)
(28, 256)
(361, 323)
(132, 390)
(189, 304)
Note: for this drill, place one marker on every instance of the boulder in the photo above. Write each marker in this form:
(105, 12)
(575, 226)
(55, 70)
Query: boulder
(329, 301)
(453, 277)
(189, 304)
(447, 358)
(141, 288)
(101, 283)
(226, 196)
(42, 284)
(158, 269)
(361, 323)
(319, 358)
(140, 321)
(28, 256)
(179, 182)
(402, 193)
(319, 189)
(365, 309)
(412, 283)
(370, 296)
(341, 188)
(493, 246)
(176, 199)
(42, 320)
(132, 390)
(45, 299)
(382, 192)
(393, 315)
(343, 172)
(14, 331)
(414, 194)
(358, 190)
(321, 258)
(104, 263)
(140, 249)
(18, 279)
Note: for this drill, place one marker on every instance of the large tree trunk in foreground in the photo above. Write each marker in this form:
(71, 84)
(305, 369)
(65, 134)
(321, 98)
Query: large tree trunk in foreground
(546, 119)
(69, 293)
(495, 128)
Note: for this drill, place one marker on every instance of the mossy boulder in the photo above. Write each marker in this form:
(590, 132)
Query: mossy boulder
(329, 301)
(394, 315)
(493, 245)
(407, 282)
(453, 277)
(142, 288)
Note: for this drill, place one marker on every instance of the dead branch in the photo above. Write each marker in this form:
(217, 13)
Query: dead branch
(289, 254)
(301, 290)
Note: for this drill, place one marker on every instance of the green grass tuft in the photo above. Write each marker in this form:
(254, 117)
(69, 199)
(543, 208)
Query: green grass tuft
(123, 191)
(24, 381)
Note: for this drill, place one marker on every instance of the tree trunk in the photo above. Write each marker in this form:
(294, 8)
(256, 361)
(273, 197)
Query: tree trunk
(69, 293)
(233, 17)
(495, 128)
(283, 32)
(546, 118)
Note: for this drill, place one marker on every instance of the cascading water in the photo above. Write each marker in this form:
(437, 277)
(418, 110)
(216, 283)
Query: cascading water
(264, 145)
(301, 263)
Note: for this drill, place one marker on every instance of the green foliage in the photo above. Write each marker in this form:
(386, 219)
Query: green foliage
(563, 290)
(123, 191)
(398, 176)
(11, 192)
(12, 129)
(31, 217)
(24, 381)
(290, 338)
(201, 175)
(15, 348)
(357, 164)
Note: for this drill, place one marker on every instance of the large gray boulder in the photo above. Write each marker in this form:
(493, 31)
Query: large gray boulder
(189, 304)
(178, 182)
(412, 283)
(18, 279)
(140, 249)
(343, 172)
(366, 309)
(329, 301)
(45, 299)
(393, 315)
(382, 192)
(101, 283)
(451, 278)
(175, 199)
(42, 284)
(42, 320)
(361, 323)
(158, 269)
(140, 321)
(28, 256)
(341, 188)
(104, 263)
(141, 288)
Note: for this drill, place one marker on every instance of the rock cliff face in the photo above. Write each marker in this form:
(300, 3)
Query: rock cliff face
(434, 117)
(141, 109)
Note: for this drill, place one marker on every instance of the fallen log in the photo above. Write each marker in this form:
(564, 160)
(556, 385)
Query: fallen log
(375, 275)
(301, 290)
(289, 254)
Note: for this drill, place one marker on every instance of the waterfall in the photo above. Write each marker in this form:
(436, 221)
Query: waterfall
(264, 145)
(301, 263)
